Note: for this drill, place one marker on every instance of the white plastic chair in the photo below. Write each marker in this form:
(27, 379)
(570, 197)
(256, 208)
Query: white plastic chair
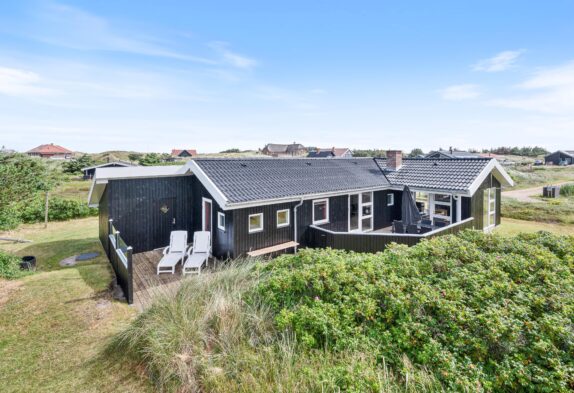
(198, 253)
(174, 253)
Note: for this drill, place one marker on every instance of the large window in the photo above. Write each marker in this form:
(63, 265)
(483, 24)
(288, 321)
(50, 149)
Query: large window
(441, 208)
(282, 218)
(320, 211)
(255, 222)
(361, 212)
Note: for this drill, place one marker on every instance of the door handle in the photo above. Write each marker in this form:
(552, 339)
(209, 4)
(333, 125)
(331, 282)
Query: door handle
(173, 221)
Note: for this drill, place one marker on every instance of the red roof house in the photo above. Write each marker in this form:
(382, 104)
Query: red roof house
(50, 151)
(183, 153)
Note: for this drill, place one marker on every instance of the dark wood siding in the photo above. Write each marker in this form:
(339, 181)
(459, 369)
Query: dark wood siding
(135, 205)
(269, 236)
(222, 241)
(104, 216)
(384, 215)
(477, 202)
(374, 242)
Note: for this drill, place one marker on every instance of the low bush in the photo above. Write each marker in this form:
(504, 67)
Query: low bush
(208, 338)
(484, 313)
(10, 266)
(472, 312)
(567, 190)
(59, 210)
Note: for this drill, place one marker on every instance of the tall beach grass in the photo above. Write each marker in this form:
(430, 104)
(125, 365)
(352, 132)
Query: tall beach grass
(215, 336)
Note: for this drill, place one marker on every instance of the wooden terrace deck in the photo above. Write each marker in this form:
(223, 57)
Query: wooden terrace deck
(147, 284)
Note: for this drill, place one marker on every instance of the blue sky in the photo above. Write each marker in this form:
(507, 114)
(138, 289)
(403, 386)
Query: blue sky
(156, 75)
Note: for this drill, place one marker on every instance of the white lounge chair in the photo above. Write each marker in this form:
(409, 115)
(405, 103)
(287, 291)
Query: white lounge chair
(174, 253)
(198, 253)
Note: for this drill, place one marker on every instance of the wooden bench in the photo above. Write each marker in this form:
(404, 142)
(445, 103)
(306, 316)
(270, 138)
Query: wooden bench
(269, 250)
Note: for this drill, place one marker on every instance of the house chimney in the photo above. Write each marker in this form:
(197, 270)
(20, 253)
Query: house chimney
(394, 159)
(450, 149)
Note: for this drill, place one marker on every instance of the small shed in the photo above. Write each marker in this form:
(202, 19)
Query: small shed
(91, 170)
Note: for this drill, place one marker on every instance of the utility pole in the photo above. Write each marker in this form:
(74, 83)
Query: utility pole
(46, 205)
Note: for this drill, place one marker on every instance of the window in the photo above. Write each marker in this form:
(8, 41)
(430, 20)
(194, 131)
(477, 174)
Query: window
(441, 208)
(221, 221)
(390, 199)
(255, 222)
(282, 218)
(320, 211)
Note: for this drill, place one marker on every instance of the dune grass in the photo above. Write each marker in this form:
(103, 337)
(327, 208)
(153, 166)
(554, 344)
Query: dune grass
(55, 323)
(210, 337)
(512, 226)
(540, 175)
(559, 210)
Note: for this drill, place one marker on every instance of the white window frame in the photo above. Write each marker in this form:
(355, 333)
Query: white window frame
(326, 219)
(392, 202)
(491, 208)
(434, 203)
(219, 216)
(259, 229)
(288, 218)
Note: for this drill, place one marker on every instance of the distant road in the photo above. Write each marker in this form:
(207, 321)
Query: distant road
(526, 194)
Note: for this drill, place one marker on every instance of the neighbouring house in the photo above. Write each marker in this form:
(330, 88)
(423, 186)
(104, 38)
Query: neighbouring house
(279, 150)
(560, 157)
(178, 154)
(5, 150)
(334, 152)
(51, 151)
(91, 170)
(256, 205)
(451, 153)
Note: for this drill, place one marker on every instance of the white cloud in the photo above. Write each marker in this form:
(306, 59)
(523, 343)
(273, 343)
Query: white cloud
(549, 90)
(232, 58)
(17, 82)
(75, 28)
(460, 92)
(500, 62)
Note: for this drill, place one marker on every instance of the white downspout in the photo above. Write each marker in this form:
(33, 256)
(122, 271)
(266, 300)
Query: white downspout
(295, 214)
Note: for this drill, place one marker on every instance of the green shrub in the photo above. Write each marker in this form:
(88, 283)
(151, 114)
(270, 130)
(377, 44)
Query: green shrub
(480, 311)
(567, 190)
(59, 210)
(209, 338)
(10, 266)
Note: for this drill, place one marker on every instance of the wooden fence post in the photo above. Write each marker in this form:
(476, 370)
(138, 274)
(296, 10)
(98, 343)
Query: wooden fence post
(130, 294)
(46, 206)
(110, 231)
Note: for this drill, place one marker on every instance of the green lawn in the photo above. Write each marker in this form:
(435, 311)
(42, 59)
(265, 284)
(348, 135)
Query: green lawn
(55, 324)
(73, 189)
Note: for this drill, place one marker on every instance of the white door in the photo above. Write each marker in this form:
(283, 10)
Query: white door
(361, 212)
(206, 215)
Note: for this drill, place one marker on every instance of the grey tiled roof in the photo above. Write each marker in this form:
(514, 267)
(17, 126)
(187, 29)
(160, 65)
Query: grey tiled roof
(453, 154)
(454, 174)
(243, 180)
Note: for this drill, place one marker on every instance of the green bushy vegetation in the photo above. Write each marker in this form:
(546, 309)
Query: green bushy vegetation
(472, 312)
(10, 266)
(567, 190)
(60, 209)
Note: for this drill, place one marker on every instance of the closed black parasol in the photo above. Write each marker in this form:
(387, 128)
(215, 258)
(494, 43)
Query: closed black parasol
(410, 212)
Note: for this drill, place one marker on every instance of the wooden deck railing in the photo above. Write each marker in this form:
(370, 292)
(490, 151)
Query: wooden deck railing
(120, 256)
(374, 242)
